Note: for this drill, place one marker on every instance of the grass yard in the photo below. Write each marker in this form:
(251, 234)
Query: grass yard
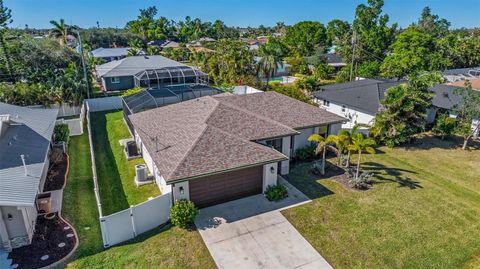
(170, 247)
(115, 173)
(424, 212)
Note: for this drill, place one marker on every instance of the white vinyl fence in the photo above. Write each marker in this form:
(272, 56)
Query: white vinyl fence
(127, 224)
(74, 125)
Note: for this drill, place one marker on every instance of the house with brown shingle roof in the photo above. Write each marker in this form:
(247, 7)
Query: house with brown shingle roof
(223, 147)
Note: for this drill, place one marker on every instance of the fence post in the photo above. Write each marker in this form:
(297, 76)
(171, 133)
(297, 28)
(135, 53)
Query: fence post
(104, 230)
(133, 221)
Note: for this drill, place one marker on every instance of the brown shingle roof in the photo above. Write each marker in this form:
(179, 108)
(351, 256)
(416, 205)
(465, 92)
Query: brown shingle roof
(214, 134)
(283, 109)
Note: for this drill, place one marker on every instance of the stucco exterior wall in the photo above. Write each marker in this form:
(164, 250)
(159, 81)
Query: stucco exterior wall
(354, 115)
(269, 175)
(301, 140)
(15, 225)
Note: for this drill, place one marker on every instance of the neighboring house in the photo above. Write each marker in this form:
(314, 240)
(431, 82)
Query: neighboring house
(109, 54)
(25, 137)
(163, 44)
(461, 74)
(244, 89)
(332, 59)
(223, 147)
(281, 70)
(358, 101)
(146, 72)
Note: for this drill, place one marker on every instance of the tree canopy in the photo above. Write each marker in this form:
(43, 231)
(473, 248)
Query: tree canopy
(304, 37)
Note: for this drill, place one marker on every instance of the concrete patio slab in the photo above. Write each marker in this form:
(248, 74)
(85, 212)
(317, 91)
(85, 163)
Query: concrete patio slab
(252, 233)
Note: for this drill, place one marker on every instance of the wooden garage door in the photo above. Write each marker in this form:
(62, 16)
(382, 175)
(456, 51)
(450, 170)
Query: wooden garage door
(225, 187)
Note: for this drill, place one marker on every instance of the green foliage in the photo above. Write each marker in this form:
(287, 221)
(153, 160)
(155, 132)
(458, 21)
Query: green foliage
(305, 153)
(304, 37)
(404, 110)
(433, 24)
(276, 192)
(183, 213)
(25, 94)
(271, 57)
(368, 69)
(338, 31)
(324, 71)
(469, 112)
(299, 64)
(374, 36)
(61, 132)
(290, 91)
(132, 91)
(445, 126)
(106, 37)
(361, 144)
(413, 51)
(230, 64)
(308, 83)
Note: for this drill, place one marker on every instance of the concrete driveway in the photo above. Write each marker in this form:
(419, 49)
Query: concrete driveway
(252, 233)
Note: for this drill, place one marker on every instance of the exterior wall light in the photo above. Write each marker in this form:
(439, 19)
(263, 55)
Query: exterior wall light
(9, 217)
(181, 190)
(272, 170)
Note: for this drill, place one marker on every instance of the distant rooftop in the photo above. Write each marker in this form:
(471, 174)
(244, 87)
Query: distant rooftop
(109, 52)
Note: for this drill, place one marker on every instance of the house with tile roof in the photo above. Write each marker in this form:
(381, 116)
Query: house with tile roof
(223, 147)
(25, 137)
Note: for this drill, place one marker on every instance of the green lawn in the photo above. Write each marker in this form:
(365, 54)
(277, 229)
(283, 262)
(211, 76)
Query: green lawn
(170, 247)
(115, 174)
(424, 212)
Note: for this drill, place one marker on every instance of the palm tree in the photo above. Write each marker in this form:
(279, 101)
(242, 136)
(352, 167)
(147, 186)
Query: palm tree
(321, 147)
(341, 141)
(60, 30)
(269, 61)
(361, 144)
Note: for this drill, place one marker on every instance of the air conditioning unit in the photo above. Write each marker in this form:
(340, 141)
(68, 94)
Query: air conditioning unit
(141, 173)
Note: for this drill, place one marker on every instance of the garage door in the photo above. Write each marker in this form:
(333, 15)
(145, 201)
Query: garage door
(225, 187)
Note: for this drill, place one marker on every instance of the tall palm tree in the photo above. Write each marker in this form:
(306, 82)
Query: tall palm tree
(341, 141)
(60, 30)
(361, 144)
(269, 61)
(321, 147)
(5, 20)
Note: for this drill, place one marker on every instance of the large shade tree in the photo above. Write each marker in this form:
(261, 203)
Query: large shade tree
(413, 51)
(304, 37)
(5, 20)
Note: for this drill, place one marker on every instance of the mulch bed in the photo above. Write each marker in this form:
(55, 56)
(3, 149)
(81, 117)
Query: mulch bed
(48, 235)
(56, 174)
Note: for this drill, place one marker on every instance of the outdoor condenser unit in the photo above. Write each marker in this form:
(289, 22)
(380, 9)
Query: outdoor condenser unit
(141, 172)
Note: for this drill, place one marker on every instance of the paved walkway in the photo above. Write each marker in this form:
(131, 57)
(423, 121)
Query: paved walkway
(252, 233)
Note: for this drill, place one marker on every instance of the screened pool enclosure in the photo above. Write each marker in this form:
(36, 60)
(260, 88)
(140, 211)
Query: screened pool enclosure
(170, 76)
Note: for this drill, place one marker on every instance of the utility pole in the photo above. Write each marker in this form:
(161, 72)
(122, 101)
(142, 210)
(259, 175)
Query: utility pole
(354, 44)
(83, 64)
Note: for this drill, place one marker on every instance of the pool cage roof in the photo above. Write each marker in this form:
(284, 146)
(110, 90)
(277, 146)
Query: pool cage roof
(161, 96)
(170, 76)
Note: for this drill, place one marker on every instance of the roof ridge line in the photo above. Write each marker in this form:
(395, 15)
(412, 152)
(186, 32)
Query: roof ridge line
(196, 139)
(257, 116)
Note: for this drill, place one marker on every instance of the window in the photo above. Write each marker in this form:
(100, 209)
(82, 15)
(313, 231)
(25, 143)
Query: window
(344, 108)
(326, 103)
(115, 80)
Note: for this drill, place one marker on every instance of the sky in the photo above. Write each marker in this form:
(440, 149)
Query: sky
(115, 13)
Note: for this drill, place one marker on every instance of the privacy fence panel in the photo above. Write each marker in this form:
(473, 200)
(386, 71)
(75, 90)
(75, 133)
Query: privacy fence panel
(131, 222)
(104, 104)
(117, 228)
(152, 213)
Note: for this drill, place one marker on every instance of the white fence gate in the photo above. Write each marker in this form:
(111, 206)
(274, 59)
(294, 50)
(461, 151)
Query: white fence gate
(104, 104)
(127, 224)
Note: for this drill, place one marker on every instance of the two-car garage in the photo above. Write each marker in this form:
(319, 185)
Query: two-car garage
(220, 188)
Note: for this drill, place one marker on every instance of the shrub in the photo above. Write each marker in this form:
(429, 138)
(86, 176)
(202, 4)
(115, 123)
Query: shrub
(61, 132)
(305, 153)
(445, 126)
(183, 213)
(276, 192)
(132, 91)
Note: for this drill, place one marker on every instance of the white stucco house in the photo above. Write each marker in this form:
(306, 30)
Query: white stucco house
(358, 101)
(25, 137)
(223, 147)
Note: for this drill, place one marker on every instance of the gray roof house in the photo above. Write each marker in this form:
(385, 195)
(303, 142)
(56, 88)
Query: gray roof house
(109, 54)
(360, 100)
(223, 147)
(147, 72)
(25, 136)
